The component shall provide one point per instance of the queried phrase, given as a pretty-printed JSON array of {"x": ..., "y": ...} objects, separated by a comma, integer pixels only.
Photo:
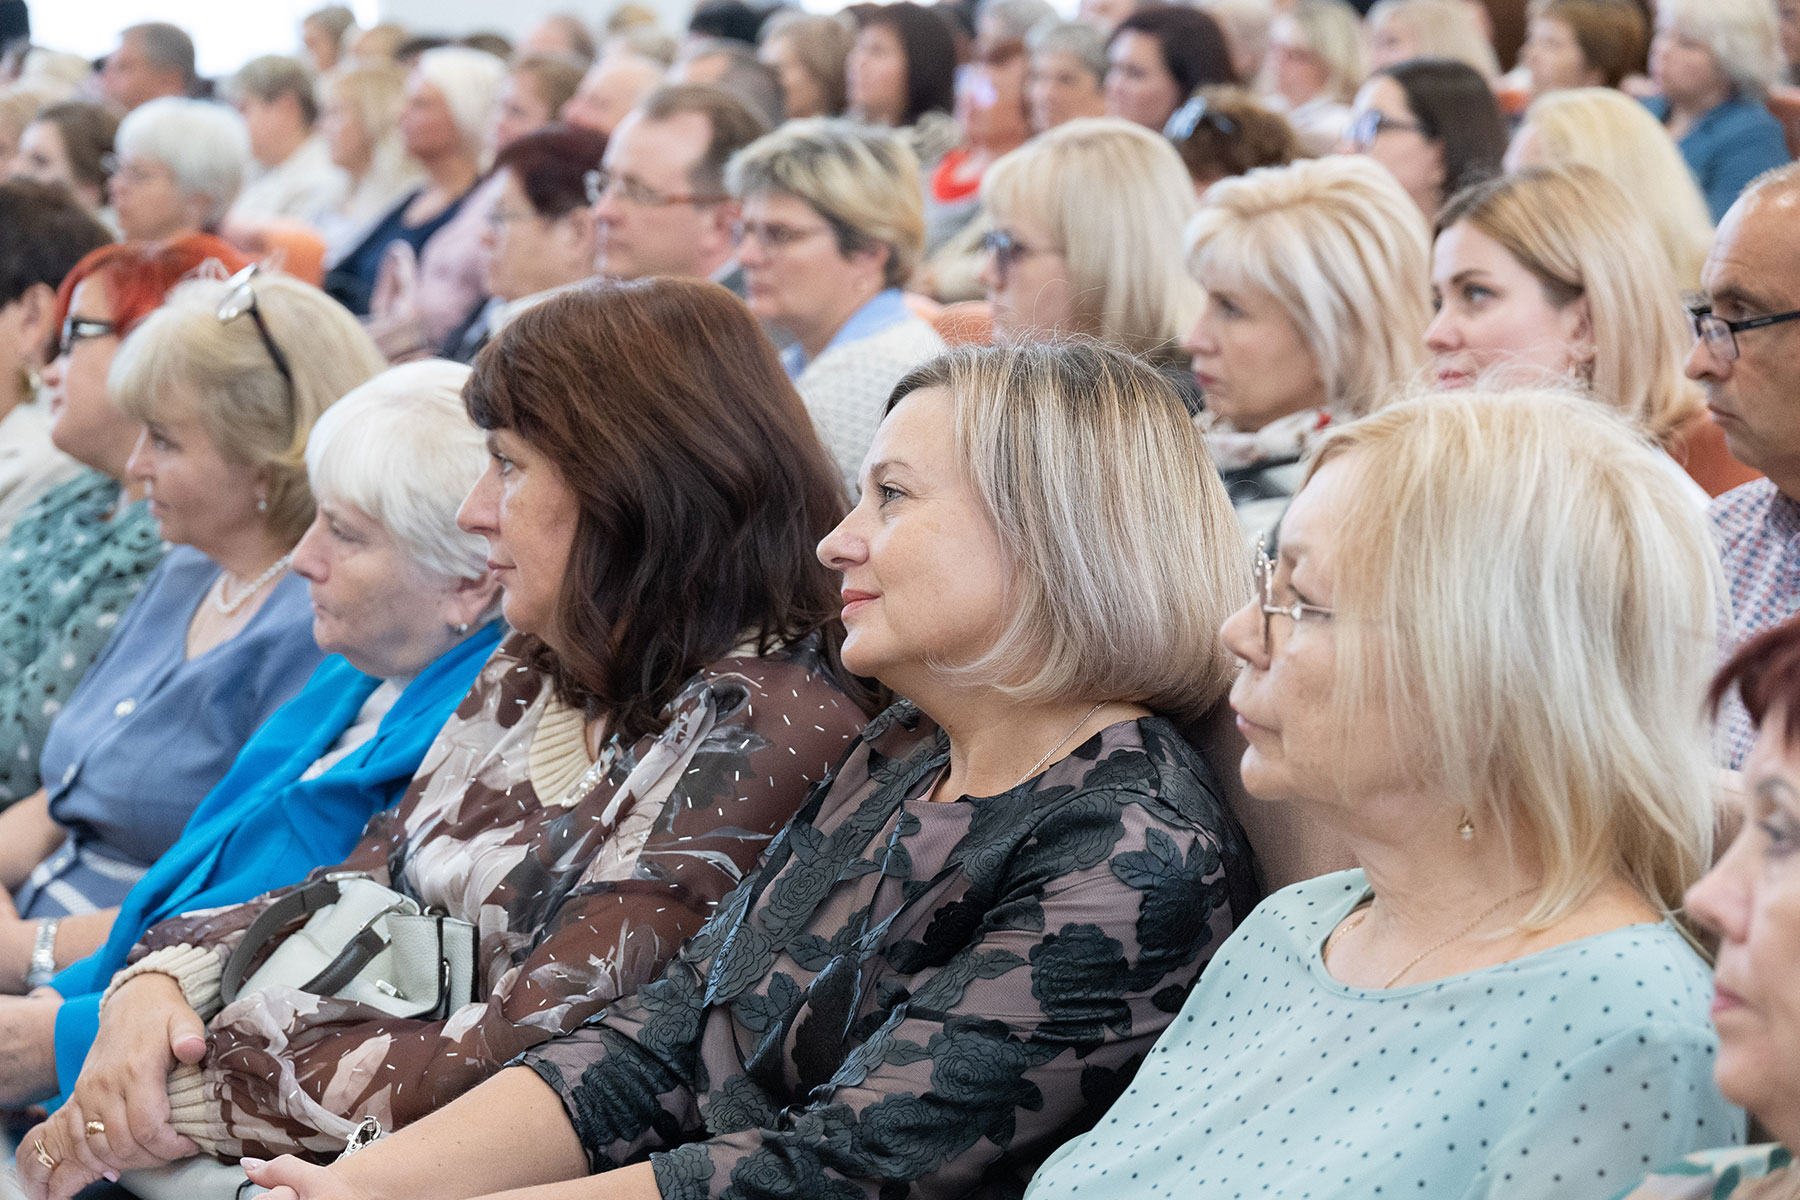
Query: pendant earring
[
  {"x": 262, "y": 504},
  {"x": 461, "y": 627},
  {"x": 1466, "y": 830}
]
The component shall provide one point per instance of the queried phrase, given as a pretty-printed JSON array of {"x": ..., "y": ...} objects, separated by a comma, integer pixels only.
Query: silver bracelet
[{"x": 43, "y": 954}]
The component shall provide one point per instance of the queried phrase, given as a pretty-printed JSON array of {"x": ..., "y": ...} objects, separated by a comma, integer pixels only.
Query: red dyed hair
[
  {"x": 139, "y": 274},
  {"x": 1766, "y": 673}
]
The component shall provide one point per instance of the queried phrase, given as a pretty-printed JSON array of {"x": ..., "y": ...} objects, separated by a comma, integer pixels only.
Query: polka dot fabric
[{"x": 1571, "y": 1072}]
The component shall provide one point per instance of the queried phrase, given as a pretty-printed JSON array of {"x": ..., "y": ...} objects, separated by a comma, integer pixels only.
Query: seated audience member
[
  {"x": 1550, "y": 277},
  {"x": 901, "y": 73},
  {"x": 1082, "y": 220},
  {"x": 1104, "y": 15},
  {"x": 18, "y": 108},
  {"x": 991, "y": 108},
  {"x": 1004, "y": 22},
  {"x": 1159, "y": 56},
  {"x": 660, "y": 204},
  {"x": 293, "y": 177},
  {"x": 1745, "y": 351},
  {"x": 1746, "y": 900},
  {"x": 1399, "y": 30},
  {"x": 1316, "y": 283},
  {"x": 227, "y": 377},
  {"x": 1583, "y": 44},
  {"x": 807, "y": 53},
  {"x": 397, "y": 590},
  {"x": 70, "y": 144},
  {"x": 378, "y": 45},
  {"x": 725, "y": 20},
  {"x": 1024, "y": 855},
  {"x": 1224, "y": 131},
  {"x": 1616, "y": 135},
  {"x": 1714, "y": 61},
  {"x": 1434, "y": 124},
  {"x": 1315, "y": 67},
  {"x": 832, "y": 222},
  {"x": 1496, "y": 712},
  {"x": 75, "y": 559},
  {"x": 1068, "y": 73},
  {"x": 1246, "y": 25},
  {"x": 153, "y": 60},
  {"x": 44, "y": 232},
  {"x": 359, "y": 118},
  {"x": 443, "y": 123},
  {"x": 180, "y": 165},
  {"x": 619, "y": 766},
  {"x": 322, "y": 35},
  {"x": 561, "y": 35},
  {"x": 534, "y": 92},
  {"x": 540, "y": 235},
  {"x": 733, "y": 67},
  {"x": 611, "y": 88}
]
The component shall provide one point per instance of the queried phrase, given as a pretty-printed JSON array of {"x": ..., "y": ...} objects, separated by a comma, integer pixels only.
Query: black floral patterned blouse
[{"x": 910, "y": 998}]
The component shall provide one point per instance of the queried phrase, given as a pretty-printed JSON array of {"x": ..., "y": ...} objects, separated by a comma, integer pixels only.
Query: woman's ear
[
  {"x": 1577, "y": 319},
  {"x": 470, "y": 601}
]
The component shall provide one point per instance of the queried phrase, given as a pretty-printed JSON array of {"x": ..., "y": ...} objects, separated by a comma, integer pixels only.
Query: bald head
[{"x": 610, "y": 89}]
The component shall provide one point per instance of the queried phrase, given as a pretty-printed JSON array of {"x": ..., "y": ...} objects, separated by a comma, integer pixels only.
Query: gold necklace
[{"x": 1422, "y": 955}]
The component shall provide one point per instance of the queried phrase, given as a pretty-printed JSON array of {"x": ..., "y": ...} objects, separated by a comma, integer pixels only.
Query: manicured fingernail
[
  {"x": 252, "y": 1164},
  {"x": 110, "y": 1176}
]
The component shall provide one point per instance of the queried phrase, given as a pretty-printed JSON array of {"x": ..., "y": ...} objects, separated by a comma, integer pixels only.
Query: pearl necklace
[{"x": 228, "y": 607}]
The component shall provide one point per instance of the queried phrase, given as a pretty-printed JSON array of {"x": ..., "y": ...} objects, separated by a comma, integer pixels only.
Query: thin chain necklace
[
  {"x": 228, "y": 607},
  {"x": 1039, "y": 764},
  {"x": 1422, "y": 955}
]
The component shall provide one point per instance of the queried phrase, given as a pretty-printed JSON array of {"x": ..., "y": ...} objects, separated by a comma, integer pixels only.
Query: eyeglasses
[
  {"x": 1371, "y": 123},
  {"x": 1264, "y": 575},
  {"x": 82, "y": 329},
  {"x": 132, "y": 171},
  {"x": 772, "y": 236},
  {"x": 1192, "y": 115},
  {"x": 598, "y": 183},
  {"x": 241, "y": 299},
  {"x": 1007, "y": 250},
  {"x": 1719, "y": 334},
  {"x": 499, "y": 218}
]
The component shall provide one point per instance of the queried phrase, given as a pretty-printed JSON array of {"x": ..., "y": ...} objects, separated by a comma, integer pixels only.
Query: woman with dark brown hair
[{"x": 651, "y": 505}]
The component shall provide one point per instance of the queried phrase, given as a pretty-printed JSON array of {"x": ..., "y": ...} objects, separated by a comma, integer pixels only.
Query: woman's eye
[
  {"x": 888, "y": 493},
  {"x": 1474, "y": 293},
  {"x": 1783, "y": 837}
]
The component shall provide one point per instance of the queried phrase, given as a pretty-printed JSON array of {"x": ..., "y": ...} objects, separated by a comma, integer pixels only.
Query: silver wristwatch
[{"x": 43, "y": 954}]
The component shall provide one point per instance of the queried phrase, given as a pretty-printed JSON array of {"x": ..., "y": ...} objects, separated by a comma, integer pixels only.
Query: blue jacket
[
  {"x": 1728, "y": 147},
  {"x": 264, "y": 827}
]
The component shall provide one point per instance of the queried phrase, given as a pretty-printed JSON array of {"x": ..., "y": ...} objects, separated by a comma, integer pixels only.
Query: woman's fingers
[{"x": 290, "y": 1178}]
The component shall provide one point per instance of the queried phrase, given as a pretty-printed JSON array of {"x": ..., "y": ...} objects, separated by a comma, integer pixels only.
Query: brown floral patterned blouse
[
  {"x": 580, "y": 891},
  {"x": 920, "y": 999}
]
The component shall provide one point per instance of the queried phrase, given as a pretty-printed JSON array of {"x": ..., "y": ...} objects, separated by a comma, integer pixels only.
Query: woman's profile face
[
  {"x": 1253, "y": 364},
  {"x": 1399, "y": 143},
  {"x": 1139, "y": 86},
  {"x": 425, "y": 121},
  {"x": 1494, "y": 315},
  {"x": 199, "y": 497},
  {"x": 875, "y": 75},
  {"x": 1751, "y": 899},
  {"x": 924, "y": 576},
  {"x": 803, "y": 94},
  {"x": 1685, "y": 68},
  {"x": 344, "y": 134},
  {"x": 1062, "y": 88},
  {"x": 1027, "y": 283},
  {"x": 84, "y": 424},
  {"x": 1554, "y": 57},
  {"x": 528, "y": 514}
]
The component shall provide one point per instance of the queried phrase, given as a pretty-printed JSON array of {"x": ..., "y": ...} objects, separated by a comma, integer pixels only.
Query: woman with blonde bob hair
[
  {"x": 1316, "y": 300},
  {"x": 1082, "y": 220},
  {"x": 1496, "y": 707},
  {"x": 1551, "y": 276},
  {"x": 1043, "y": 845},
  {"x": 1607, "y": 130}
]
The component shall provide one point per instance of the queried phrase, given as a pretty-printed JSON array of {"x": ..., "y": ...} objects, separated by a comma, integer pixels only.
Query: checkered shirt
[{"x": 1759, "y": 542}]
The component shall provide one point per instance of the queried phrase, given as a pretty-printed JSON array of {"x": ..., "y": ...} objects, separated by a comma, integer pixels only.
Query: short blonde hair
[
  {"x": 1119, "y": 579},
  {"x": 1580, "y": 236},
  {"x": 1743, "y": 35},
  {"x": 225, "y": 371},
  {"x": 1332, "y": 30},
  {"x": 1440, "y": 29},
  {"x": 1113, "y": 196},
  {"x": 1609, "y": 131},
  {"x": 863, "y": 181},
  {"x": 1527, "y": 591},
  {"x": 1345, "y": 252}
]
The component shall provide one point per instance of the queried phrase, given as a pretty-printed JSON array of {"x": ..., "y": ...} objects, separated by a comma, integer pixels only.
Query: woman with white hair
[
  {"x": 1068, "y": 73},
  {"x": 179, "y": 165},
  {"x": 1714, "y": 61},
  {"x": 1082, "y": 221},
  {"x": 404, "y": 604},
  {"x": 443, "y": 123},
  {"x": 1494, "y": 702},
  {"x": 359, "y": 120},
  {"x": 1315, "y": 65},
  {"x": 1317, "y": 294}
]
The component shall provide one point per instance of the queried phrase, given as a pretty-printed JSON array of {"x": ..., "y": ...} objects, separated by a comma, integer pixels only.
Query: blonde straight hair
[
  {"x": 1118, "y": 578},
  {"x": 1113, "y": 197},
  {"x": 1525, "y": 587},
  {"x": 1581, "y": 236},
  {"x": 1344, "y": 251},
  {"x": 1609, "y": 131}
]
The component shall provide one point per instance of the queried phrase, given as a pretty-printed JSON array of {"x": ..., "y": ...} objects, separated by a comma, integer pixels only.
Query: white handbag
[{"x": 362, "y": 942}]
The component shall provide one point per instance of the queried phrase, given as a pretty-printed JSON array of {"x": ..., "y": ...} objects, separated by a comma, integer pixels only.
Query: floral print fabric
[
  {"x": 578, "y": 898},
  {"x": 922, "y": 999},
  {"x": 1760, "y": 1172}
]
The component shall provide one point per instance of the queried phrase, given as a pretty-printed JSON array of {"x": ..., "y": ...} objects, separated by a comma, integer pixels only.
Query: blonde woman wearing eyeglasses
[
  {"x": 1496, "y": 705},
  {"x": 227, "y": 377}
]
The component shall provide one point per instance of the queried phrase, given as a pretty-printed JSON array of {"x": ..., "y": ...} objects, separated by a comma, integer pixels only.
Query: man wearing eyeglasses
[
  {"x": 659, "y": 197},
  {"x": 1747, "y": 353}
]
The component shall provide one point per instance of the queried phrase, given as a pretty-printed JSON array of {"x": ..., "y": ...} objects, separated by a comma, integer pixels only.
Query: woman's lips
[
  {"x": 1724, "y": 1000},
  {"x": 854, "y": 600}
]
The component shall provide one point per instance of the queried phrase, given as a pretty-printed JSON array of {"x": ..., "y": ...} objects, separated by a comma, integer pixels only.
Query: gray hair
[
  {"x": 273, "y": 76},
  {"x": 745, "y": 76},
  {"x": 1015, "y": 17},
  {"x": 166, "y": 46},
  {"x": 205, "y": 146},
  {"x": 402, "y": 450},
  {"x": 1743, "y": 35},
  {"x": 1077, "y": 39}
]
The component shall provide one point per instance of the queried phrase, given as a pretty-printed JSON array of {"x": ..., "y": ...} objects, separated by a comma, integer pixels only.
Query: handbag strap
[
  {"x": 297, "y": 904},
  {"x": 348, "y": 964}
]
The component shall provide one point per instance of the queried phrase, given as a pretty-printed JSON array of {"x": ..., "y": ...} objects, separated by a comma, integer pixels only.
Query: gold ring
[
  {"x": 42, "y": 1155},
  {"x": 95, "y": 1128}
]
